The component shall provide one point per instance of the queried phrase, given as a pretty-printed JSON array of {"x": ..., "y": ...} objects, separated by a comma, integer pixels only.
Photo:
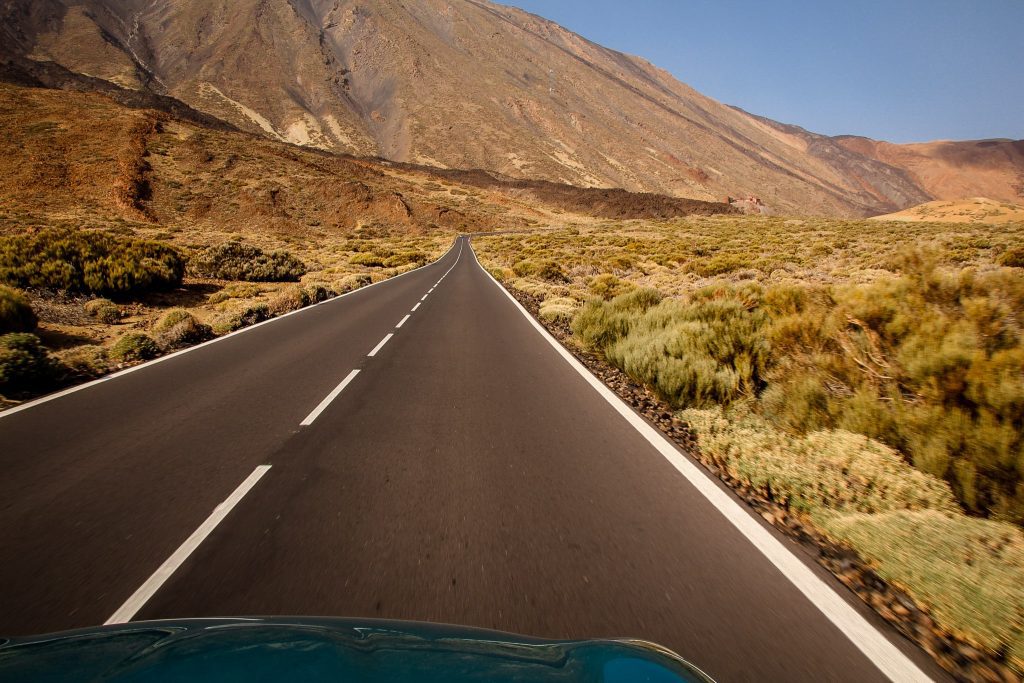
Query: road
[{"x": 466, "y": 474}]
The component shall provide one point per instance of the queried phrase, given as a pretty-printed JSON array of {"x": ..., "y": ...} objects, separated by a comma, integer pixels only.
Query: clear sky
[{"x": 902, "y": 70}]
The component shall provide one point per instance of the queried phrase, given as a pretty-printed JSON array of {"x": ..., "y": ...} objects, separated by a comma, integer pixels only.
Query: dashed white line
[
  {"x": 402, "y": 322},
  {"x": 379, "y": 346},
  {"x": 327, "y": 401},
  {"x": 425, "y": 296},
  {"x": 146, "y": 591},
  {"x": 416, "y": 306}
]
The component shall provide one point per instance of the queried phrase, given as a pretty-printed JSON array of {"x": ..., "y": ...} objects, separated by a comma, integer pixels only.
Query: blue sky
[{"x": 903, "y": 70}]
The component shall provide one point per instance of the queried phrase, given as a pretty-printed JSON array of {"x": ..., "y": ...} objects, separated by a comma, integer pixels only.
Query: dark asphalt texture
[{"x": 467, "y": 475}]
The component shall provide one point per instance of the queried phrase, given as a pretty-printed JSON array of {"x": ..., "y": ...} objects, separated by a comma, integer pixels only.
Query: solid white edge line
[
  {"x": 146, "y": 591},
  {"x": 327, "y": 401},
  {"x": 380, "y": 346},
  {"x": 416, "y": 306},
  {"x": 402, "y": 322},
  {"x": 106, "y": 378},
  {"x": 869, "y": 640}
]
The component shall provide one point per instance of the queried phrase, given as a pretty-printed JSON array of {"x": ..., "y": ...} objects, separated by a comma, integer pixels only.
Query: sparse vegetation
[
  {"x": 16, "y": 314},
  {"x": 238, "y": 261},
  {"x": 867, "y": 375},
  {"x": 89, "y": 262}
]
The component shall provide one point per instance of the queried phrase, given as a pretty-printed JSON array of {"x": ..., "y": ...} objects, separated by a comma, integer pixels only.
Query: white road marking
[
  {"x": 430, "y": 291},
  {"x": 416, "y": 306},
  {"x": 146, "y": 591},
  {"x": 869, "y": 640},
  {"x": 425, "y": 297},
  {"x": 379, "y": 346},
  {"x": 327, "y": 401},
  {"x": 161, "y": 359},
  {"x": 402, "y": 322}
]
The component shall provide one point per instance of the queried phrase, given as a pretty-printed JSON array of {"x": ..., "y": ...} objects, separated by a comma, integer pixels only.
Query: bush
[
  {"x": 85, "y": 362},
  {"x": 405, "y": 258},
  {"x": 318, "y": 293},
  {"x": 290, "y": 299},
  {"x": 710, "y": 348},
  {"x": 133, "y": 347},
  {"x": 251, "y": 315},
  {"x": 969, "y": 571},
  {"x": 89, "y": 262},
  {"x": 546, "y": 269},
  {"x": 25, "y": 366},
  {"x": 238, "y": 261},
  {"x": 352, "y": 282},
  {"x": 819, "y": 472},
  {"x": 1013, "y": 258},
  {"x": 558, "y": 308},
  {"x": 103, "y": 310},
  {"x": 179, "y": 328},
  {"x": 367, "y": 259},
  {"x": 16, "y": 313},
  {"x": 600, "y": 324},
  {"x": 930, "y": 363},
  {"x": 607, "y": 286}
]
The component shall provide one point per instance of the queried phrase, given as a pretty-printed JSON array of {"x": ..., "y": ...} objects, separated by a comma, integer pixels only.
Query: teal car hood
[{"x": 273, "y": 649}]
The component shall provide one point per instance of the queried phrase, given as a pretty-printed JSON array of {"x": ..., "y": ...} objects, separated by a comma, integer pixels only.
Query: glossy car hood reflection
[{"x": 329, "y": 650}]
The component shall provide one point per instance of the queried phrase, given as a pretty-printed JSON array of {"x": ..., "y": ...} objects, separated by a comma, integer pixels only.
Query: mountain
[
  {"x": 462, "y": 84},
  {"x": 953, "y": 169},
  {"x": 973, "y": 210}
]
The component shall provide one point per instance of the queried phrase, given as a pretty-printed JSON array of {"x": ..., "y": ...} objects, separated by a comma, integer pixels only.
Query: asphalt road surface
[{"x": 467, "y": 473}]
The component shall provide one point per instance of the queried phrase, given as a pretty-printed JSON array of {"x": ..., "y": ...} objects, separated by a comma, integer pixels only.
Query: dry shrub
[
  {"x": 179, "y": 328},
  {"x": 104, "y": 310},
  {"x": 969, "y": 571}
]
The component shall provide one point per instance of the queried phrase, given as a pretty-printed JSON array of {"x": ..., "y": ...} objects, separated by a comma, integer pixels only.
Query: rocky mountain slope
[
  {"x": 953, "y": 170},
  {"x": 455, "y": 83}
]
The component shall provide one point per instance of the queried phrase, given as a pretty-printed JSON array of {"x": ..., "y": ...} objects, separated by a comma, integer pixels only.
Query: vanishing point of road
[{"x": 417, "y": 449}]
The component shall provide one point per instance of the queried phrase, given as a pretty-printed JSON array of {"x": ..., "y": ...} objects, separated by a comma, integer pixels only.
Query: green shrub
[
  {"x": 133, "y": 347},
  {"x": 823, "y": 471},
  {"x": 600, "y": 324},
  {"x": 545, "y": 269},
  {"x": 969, "y": 571},
  {"x": 90, "y": 262},
  {"x": 709, "y": 348},
  {"x": 930, "y": 363},
  {"x": 370, "y": 260},
  {"x": 237, "y": 261},
  {"x": 179, "y": 328},
  {"x": 25, "y": 366},
  {"x": 16, "y": 313},
  {"x": 720, "y": 264},
  {"x": 86, "y": 361},
  {"x": 607, "y": 286},
  {"x": 405, "y": 258},
  {"x": 104, "y": 310},
  {"x": 1013, "y": 258}
]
